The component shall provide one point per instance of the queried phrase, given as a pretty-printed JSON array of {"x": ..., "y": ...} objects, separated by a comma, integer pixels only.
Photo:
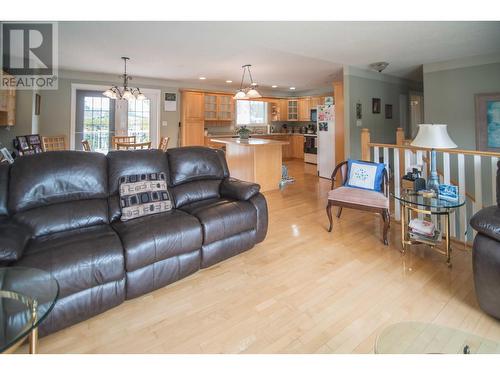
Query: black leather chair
[
  {"x": 59, "y": 212},
  {"x": 486, "y": 255}
]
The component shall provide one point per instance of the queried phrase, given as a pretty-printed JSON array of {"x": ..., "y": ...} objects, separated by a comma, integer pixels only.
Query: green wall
[{"x": 361, "y": 87}]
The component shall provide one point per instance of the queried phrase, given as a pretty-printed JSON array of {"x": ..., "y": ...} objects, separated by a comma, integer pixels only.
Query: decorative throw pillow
[
  {"x": 365, "y": 175},
  {"x": 143, "y": 194}
]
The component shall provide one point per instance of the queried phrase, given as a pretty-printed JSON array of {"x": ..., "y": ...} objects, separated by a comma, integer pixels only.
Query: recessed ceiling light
[
  {"x": 274, "y": 86},
  {"x": 292, "y": 88},
  {"x": 202, "y": 78},
  {"x": 229, "y": 81}
]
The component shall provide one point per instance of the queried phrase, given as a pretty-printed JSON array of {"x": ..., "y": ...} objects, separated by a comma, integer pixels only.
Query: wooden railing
[{"x": 401, "y": 156}]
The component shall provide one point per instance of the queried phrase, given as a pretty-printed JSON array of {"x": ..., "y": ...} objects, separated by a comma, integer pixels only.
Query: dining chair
[
  {"x": 86, "y": 146},
  {"x": 133, "y": 146},
  {"x": 54, "y": 143},
  {"x": 122, "y": 139},
  {"x": 163, "y": 144}
]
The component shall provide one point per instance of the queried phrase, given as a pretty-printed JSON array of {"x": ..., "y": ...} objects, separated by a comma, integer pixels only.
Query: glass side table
[
  {"x": 415, "y": 203},
  {"x": 27, "y": 296},
  {"x": 429, "y": 338}
]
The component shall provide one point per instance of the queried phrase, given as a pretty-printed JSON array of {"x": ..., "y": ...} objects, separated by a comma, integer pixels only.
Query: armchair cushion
[
  {"x": 239, "y": 190},
  {"x": 487, "y": 222},
  {"x": 14, "y": 238},
  {"x": 365, "y": 175},
  {"x": 358, "y": 196}
]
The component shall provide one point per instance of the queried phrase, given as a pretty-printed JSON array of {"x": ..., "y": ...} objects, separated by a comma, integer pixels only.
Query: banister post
[
  {"x": 365, "y": 139},
  {"x": 400, "y": 140}
]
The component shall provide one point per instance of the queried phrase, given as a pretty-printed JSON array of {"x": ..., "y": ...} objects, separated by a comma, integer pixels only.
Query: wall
[
  {"x": 26, "y": 121},
  {"x": 360, "y": 87},
  {"x": 449, "y": 90}
]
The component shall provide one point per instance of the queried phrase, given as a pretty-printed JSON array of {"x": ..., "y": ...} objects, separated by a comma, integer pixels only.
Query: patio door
[{"x": 95, "y": 120}]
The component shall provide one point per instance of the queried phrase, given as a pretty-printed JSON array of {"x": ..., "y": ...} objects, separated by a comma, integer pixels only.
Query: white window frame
[
  {"x": 266, "y": 114},
  {"x": 120, "y": 123}
]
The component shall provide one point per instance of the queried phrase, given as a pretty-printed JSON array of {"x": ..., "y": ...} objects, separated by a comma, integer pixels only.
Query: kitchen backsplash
[{"x": 276, "y": 126}]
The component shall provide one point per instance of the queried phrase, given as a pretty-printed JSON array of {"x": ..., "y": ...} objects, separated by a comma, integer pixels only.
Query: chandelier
[
  {"x": 126, "y": 93},
  {"x": 249, "y": 92}
]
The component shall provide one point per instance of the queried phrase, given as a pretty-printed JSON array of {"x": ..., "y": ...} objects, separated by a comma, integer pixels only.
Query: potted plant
[{"x": 243, "y": 132}]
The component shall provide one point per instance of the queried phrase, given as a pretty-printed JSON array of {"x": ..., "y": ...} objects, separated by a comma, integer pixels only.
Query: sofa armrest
[
  {"x": 487, "y": 222},
  {"x": 14, "y": 239},
  {"x": 240, "y": 190}
]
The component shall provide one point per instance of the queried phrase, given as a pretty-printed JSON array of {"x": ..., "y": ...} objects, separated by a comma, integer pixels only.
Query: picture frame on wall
[
  {"x": 388, "y": 111},
  {"x": 488, "y": 122},
  {"x": 375, "y": 105},
  {"x": 359, "y": 111}
]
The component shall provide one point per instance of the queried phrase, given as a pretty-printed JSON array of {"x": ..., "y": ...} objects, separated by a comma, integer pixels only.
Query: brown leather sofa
[
  {"x": 486, "y": 255},
  {"x": 59, "y": 211}
]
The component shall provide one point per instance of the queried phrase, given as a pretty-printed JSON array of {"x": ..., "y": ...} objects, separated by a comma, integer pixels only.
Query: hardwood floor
[{"x": 303, "y": 290}]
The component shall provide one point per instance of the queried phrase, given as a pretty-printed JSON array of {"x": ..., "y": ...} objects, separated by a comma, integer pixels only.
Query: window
[
  {"x": 251, "y": 112},
  {"x": 94, "y": 120},
  {"x": 139, "y": 119}
]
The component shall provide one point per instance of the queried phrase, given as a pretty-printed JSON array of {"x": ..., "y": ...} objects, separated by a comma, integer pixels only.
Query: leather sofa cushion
[
  {"x": 129, "y": 162},
  {"x": 223, "y": 218},
  {"x": 64, "y": 216},
  {"x": 13, "y": 239},
  {"x": 149, "y": 239},
  {"x": 195, "y": 191},
  {"x": 487, "y": 222},
  {"x": 56, "y": 177},
  {"x": 78, "y": 259},
  {"x": 4, "y": 183},
  {"x": 196, "y": 163}
]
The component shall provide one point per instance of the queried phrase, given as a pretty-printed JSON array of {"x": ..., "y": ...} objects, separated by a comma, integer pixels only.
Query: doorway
[
  {"x": 97, "y": 119},
  {"x": 416, "y": 112}
]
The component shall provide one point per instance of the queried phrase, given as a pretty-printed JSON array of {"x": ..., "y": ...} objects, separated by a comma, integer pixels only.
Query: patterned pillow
[
  {"x": 143, "y": 194},
  {"x": 365, "y": 175}
]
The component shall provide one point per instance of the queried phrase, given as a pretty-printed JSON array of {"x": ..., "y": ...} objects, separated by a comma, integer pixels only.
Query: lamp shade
[
  {"x": 240, "y": 95},
  {"x": 433, "y": 136}
]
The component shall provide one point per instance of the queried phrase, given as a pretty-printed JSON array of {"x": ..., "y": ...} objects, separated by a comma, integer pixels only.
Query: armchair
[{"x": 358, "y": 199}]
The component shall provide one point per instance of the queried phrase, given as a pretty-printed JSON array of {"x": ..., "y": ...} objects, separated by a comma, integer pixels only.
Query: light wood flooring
[{"x": 303, "y": 290}]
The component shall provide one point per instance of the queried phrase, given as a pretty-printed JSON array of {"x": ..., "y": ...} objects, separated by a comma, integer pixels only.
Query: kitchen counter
[
  {"x": 251, "y": 142},
  {"x": 256, "y": 160}
]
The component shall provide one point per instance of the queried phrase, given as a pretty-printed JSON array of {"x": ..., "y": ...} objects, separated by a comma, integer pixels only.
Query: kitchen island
[{"x": 255, "y": 160}]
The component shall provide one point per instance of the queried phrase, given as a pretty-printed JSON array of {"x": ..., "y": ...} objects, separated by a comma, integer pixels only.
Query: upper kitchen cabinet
[
  {"x": 293, "y": 110},
  {"x": 304, "y": 105},
  {"x": 314, "y": 101},
  {"x": 283, "y": 110},
  {"x": 210, "y": 107},
  {"x": 193, "y": 105},
  {"x": 7, "y": 107},
  {"x": 225, "y": 108},
  {"x": 219, "y": 107}
]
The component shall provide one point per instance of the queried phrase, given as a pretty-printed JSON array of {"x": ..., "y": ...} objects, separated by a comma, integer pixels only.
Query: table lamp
[{"x": 433, "y": 136}]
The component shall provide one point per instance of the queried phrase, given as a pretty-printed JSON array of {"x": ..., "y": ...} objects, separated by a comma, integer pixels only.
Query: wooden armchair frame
[{"x": 384, "y": 212}]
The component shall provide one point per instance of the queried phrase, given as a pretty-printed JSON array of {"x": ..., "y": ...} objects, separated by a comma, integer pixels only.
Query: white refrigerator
[{"x": 326, "y": 140}]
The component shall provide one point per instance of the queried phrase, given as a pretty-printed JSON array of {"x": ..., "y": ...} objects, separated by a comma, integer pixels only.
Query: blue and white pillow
[{"x": 365, "y": 175}]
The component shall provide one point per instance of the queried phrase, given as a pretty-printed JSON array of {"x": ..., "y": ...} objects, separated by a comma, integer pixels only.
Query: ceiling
[{"x": 306, "y": 55}]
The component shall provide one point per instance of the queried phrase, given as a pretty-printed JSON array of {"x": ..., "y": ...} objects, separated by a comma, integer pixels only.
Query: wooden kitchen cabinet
[
  {"x": 283, "y": 112},
  {"x": 293, "y": 109},
  {"x": 210, "y": 107},
  {"x": 219, "y": 107},
  {"x": 7, "y": 106},
  {"x": 304, "y": 107},
  {"x": 297, "y": 146},
  {"x": 314, "y": 101},
  {"x": 192, "y": 118}
]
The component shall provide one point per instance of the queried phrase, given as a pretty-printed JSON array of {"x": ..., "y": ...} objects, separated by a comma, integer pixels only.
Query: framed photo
[
  {"x": 388, "y": 111},
  {"x": 170, "y": 103},
  {"x": 375, "y": 105},
  {"x": 488, "y": 122},
  {"x": 38, "y": 99},
  {"x": 5, "y": 155},
  {"x": 22, "y": 141},
  {"x": 448, "y": 192}
]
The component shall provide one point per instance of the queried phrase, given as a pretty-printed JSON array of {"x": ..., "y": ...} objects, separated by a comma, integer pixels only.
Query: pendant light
[
  {"x": 249, "y": 92},
  {"x": 126, "y": 93}
]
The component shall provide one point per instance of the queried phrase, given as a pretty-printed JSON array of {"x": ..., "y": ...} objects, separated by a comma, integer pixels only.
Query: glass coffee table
[
  {"x": 415, "y": 203},
  {"x": 27, "y": 296},
  {"x": 429, "y": 338}
]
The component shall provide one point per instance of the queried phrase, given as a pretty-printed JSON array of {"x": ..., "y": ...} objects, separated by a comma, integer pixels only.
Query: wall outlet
[{"x": 164, "y": 123}]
